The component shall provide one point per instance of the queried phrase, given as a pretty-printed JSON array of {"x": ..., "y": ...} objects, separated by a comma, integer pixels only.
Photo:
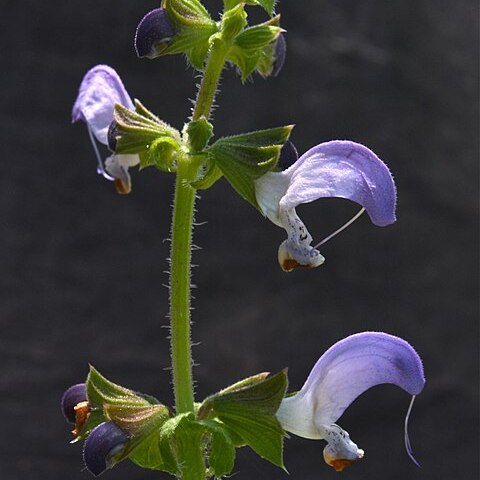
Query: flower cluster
[{"x": 341, "y": 169}]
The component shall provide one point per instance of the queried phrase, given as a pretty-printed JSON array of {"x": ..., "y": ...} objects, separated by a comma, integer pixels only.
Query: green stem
[
  {"x": 180, "y": 257},
  {"x": 211, "y": 77},
  {"x": 181, "y": 247}
]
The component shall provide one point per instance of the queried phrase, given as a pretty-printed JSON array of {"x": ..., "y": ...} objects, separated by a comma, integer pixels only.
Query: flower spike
[
  {"x": 344, "y": 372},
  {"x": 341, "y": 169},
  {"x": 100, "y": 90}
]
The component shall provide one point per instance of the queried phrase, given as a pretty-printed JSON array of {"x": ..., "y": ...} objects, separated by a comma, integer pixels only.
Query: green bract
[
  {"x": 194, "y": 28},
  {"x": 199, "y": 133},
  {"x": 267, "y": 5},
  {"x": 248, "y": 410},
  {"x": 243, "y": 158},
  {"x": 138, "y": 416},
  {"x": 241, "y": 414},
  {"x": 253, "y": 48},
  {"x": 142, "y": 132},
  {"x": 233, "y": 22},
  {"x": 259, "y": 36}
]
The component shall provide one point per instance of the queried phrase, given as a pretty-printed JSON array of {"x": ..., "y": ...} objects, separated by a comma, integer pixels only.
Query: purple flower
[
  {"x": 153, "y": 33},
  {"x": 342, "y": 169},
  {"x": 343, "y": 372},
  {"x": 105, "y": 442},
  {"x": 100, "y": 90},
  {"x": 71, "y": 398}
]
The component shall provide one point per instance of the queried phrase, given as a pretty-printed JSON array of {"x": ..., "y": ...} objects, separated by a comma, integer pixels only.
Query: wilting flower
[
  {"x": 105, "y": 442},
  {"x": 343, "y": 372},
  {"x": 100, "y": 90},
  {"x": 153, "y": 33},
  {"x": 340, "y": 169}
]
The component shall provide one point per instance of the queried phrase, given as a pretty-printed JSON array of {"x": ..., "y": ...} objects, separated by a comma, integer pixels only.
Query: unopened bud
[
  {"x": 288, "y": 156},
  {"x": 71, "y": 398},
  {"x": 153, "y": 33},
  {"x": 103, "y": 445}
]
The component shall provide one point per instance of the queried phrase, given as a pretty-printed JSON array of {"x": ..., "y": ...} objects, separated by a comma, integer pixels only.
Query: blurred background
[{"x": 82, "y": 268}]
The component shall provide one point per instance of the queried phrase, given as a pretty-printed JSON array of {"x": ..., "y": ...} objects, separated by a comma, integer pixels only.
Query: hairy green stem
[
  {"x": 211, "y": 77},
  {"x": 180, "y": 257}
]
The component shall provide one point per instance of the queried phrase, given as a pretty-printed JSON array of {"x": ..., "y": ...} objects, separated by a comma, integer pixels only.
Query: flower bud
[
  {"x": 153, "y": 33},
  {"x": 112, "y": 136},
  {"x": 104, "y": 443},
  {"x": 288, "y": 156},
  {"x": 280, "y": 53},
  {"x": 71, "y": 398}
]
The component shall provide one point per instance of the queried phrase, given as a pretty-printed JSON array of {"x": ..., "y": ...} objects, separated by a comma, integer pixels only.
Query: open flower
[
  {"x": 342, "y": 169},
  {"x": 343, "y": 372},
  {"x": 100, "y": 90}
]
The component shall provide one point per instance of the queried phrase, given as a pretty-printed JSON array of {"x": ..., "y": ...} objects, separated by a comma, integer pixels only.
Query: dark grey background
[{"x": 82, "y": 268}]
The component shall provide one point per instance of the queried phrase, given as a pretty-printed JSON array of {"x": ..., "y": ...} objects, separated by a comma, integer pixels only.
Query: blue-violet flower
[
  {"x": 343, "y": 372},
  {"x": 105, "y": 442},
  {"x": 153, "y": 33},
  {"x": 100, "y": 90},
  {"x": 71, "y": 398},
  {"x": 342, "y": 169}
]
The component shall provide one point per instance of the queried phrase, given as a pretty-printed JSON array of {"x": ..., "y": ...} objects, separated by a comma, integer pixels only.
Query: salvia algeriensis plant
[{"x": 196, "y": 440}]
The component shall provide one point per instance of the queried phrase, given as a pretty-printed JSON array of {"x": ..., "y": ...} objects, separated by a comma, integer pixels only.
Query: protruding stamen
[
  {"x": 100, "y": 168},
  {"x": 343, "y": 227},
  {"x": 408, "y": 447}
]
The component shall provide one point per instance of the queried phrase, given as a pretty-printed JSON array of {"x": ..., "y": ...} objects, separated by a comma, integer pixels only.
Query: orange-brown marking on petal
[
  {"x": 82, "y": 411},
  {"x": 340, "y": 464},
  {"x": 122, "y": 187},
  {"x": 290, "y": 264}
]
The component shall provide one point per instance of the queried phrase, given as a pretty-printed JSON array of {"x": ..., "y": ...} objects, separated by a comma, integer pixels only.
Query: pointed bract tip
[
  {"x": 153, "y": 33},
  {"x": 103, "y": 445}
]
